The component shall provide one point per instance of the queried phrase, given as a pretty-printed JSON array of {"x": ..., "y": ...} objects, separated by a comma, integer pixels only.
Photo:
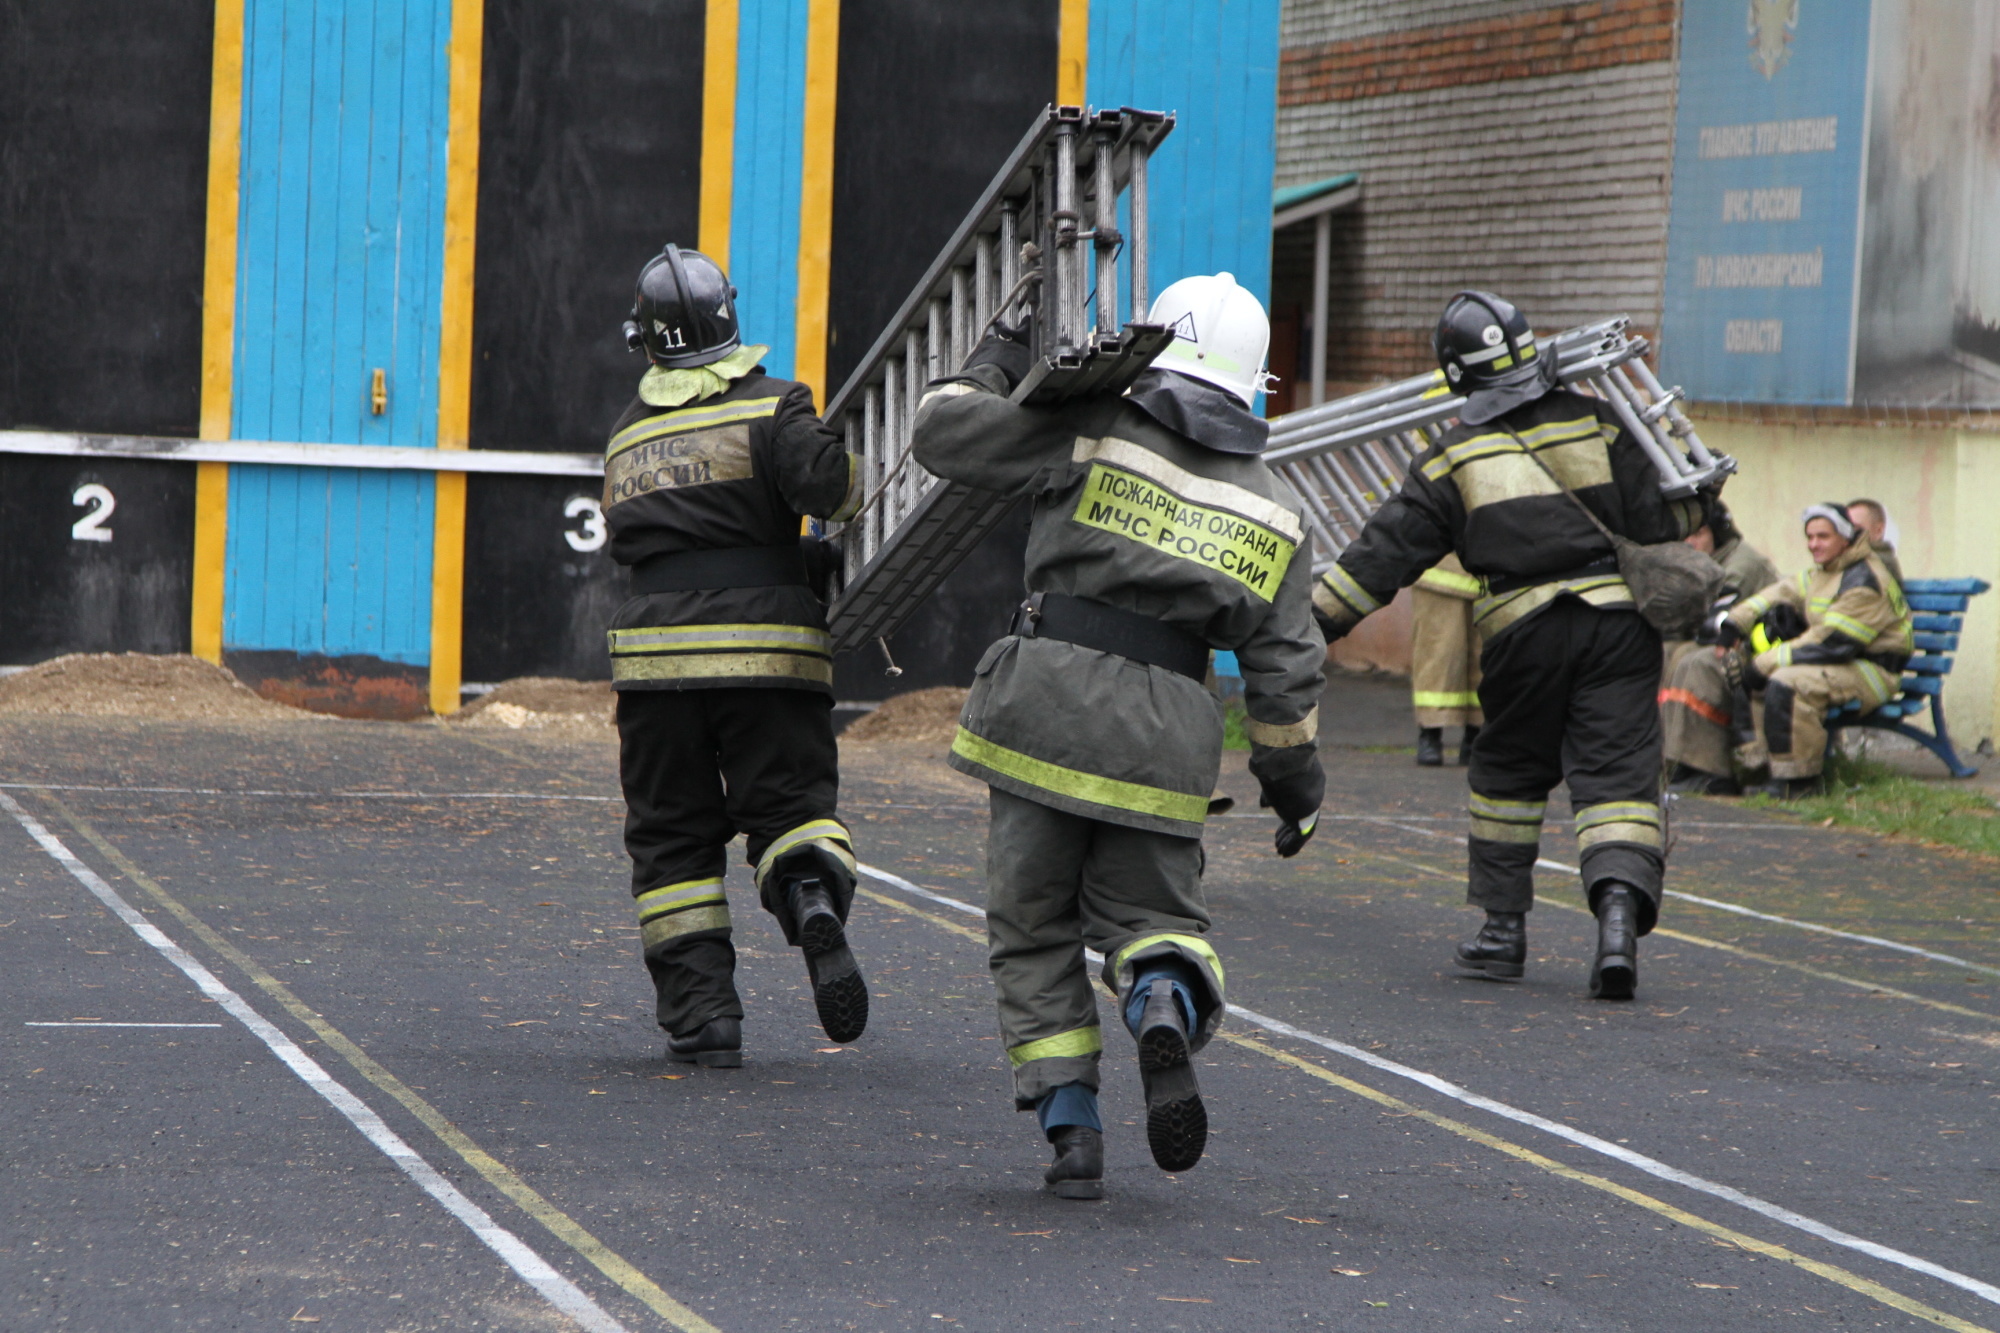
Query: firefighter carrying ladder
[
  {"x": 1346, "y": 457},
  {"x": 1021, "y": 251}
]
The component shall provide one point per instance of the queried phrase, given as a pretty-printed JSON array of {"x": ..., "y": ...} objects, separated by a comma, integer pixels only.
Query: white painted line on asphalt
[
  {"x": 1876, "y": 940},
  {"x": 556, "y": 1289},
  {"x": 93, "y": 1023},
  {"x": 1639, "y": 1161}
]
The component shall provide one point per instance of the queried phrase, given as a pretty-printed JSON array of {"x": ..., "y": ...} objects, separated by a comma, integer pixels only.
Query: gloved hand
[
  {"x": 1295, "y": 798},
  {"x": 1005, "y": 348},
  {"x": 1727, "y": 633},
  {"x": 1292, "y": 838}
]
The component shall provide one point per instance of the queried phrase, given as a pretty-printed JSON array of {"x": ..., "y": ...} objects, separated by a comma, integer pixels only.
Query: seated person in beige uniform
[
  {"x": 1873, "y": 519},
  {"x": 1837, "y": 632},
  {"x": 1745, "y": 569}
]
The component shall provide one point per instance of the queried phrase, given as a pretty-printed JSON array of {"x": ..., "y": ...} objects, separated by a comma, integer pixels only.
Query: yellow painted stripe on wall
[
  {"x": 718, "y": 130},
  {"x": 816, "y": 192},
  {"x": 218, "y": 325},
  {"x": 1072, "y": 52},
  {"x": 461, "y": 217}
]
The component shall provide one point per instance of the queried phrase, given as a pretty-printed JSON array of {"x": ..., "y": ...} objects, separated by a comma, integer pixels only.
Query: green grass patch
[
  {"x": 1234, "y": 737},
  {"x": 1868, "y": 795}
]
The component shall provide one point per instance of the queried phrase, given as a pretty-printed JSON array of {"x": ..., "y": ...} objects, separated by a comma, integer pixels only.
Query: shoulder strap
[{"x": 1574, "y": 499}]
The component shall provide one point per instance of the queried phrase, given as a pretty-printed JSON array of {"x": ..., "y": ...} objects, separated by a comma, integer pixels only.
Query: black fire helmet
[
  {"x": 1487, "y": 352},
  {"x": 684, "y": 313}
]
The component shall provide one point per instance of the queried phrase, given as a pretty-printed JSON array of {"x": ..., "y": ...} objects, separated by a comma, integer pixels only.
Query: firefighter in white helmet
[{"x": 1157, "y": 534}]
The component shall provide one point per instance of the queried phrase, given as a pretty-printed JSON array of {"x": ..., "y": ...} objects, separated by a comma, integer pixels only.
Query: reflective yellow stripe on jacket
[
  {"x": 1493, "y": 614},
  {"x": 1080, "y": 786},
  {"x": 722, "y": 652}
]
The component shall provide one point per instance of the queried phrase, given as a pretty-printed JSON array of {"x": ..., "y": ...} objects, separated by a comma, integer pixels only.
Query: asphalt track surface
[{"x": 417, "y": 1085}]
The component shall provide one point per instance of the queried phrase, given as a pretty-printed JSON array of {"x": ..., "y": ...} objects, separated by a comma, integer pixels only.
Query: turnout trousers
[
  {"x": 1791, "y": 724},
  {"x": 699, "y": 767},
  {"x": 1056, "y": 882},
  {"x": 1570, "y": 697},
  {"x": 1444, "y": 660}
]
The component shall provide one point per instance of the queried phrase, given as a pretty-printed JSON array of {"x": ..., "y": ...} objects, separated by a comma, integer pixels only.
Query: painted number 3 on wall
[
  {"x": 90, "y": 528},
  {"x": 590, "y": 539}
]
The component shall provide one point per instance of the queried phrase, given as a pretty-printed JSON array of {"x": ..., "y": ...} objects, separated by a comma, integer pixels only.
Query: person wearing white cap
[{"x": 1838, "y": 632}]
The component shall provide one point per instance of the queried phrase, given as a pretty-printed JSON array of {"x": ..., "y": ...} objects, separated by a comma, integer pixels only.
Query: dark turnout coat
[
  {"x": 1139, "y": 517},
  {"x": 734, "y": 470}
]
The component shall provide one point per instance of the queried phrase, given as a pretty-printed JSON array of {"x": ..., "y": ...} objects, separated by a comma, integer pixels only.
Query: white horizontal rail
[{"x": 401, "y": 458}]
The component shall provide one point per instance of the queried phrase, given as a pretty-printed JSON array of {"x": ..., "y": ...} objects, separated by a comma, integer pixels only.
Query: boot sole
[
  {"x": 1076, "y": 1189},
  {"x": 1176, "y": 1120},
  {"x": 1499, "y": 971},
  {"x": 839, "y": 994},
  {"x": 1614, "y": 978},
  {"x": 708, "y": 1059},
  {"x": 822, "y": 933}
]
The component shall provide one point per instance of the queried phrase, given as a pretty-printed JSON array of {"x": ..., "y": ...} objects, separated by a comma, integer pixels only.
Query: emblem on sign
[{"x": 1772, "y": 23}]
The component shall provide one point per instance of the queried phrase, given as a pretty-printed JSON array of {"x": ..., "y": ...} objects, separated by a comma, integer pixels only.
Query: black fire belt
[
  {"x": 730, "y": 567},
  {"x": 1078, "y": 620}
]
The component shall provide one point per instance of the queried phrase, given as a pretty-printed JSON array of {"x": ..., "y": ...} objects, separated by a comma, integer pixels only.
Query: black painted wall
[
  {"x": 590, "y": 160},
  {"x": 103, "y": 178},
  {"x": 541, "y": 605},
  {"x": 65, "y": 595},
  {"x": 932, "y": 97}
]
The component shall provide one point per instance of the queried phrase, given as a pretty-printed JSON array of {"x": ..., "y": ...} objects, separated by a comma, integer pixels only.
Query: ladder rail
[
  {"x": 1020, "y": 252},
  {"x": 1345, "y": 458}
]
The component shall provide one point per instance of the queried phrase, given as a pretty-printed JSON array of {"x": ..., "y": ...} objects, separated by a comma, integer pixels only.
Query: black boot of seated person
[
  {"x": 1078, "y": 1169},
  {"x": 1686, "y": 781},
  {"x": 1614, "y": 974},
  {"x": 1500, "y": 949},
  {"x": 1430, "y": 747},
  {"x": 1176, "y": 1121},
  {"x": 839, "y": 993},
  {"x": 716, "y": 1044},
  {"x": 1465, "y": 741}
]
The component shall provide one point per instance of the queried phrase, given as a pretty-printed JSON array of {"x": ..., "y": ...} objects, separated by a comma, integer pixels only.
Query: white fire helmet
[{"x": 1220, "y": 334}]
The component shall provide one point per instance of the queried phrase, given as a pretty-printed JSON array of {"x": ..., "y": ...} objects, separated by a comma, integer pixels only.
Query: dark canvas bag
[{"x": 1672, "y": 584}]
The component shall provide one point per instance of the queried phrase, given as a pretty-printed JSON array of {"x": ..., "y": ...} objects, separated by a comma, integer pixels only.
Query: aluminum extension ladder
[
  {"x": 1020, "y": 250},
  {"x": 1346, "y": 457}
]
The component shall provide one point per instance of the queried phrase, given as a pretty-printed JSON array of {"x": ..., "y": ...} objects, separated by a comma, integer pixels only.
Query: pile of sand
[
  {"x": 547, "y": 704},
  {"x": 922, "y": 715},
  {"x": 176, "y": 688}
]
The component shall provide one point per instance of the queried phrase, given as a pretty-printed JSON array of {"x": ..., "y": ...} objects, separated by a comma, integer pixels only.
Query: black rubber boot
[
  {"x": 1791, "y": 789},
  {"x": 1614, "y": 974},
  {"x": 717, "y": 1044},
  {"x": 1176, "y": 1121},
  {"x": 1078, "y": 1170},
  {"x": 1465, "y": 743},
  {"x": 1500, "y": 949},
  {"x": 1685, "y": 781},
  {"x": 1430, "y": 747},
  {"x": 839, "y": 993}
]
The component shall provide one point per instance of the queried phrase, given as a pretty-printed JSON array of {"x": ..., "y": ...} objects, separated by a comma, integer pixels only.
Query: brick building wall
[{"x": 1525, "y": 150}]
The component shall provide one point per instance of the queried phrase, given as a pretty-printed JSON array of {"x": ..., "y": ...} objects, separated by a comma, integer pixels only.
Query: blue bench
[{"x": 1940, "y": 607}]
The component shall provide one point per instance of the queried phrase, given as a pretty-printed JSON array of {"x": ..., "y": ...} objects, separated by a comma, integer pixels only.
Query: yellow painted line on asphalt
[
  {"x": 1831, "y": 1272},
  {"x": 558, "y": 1223}
]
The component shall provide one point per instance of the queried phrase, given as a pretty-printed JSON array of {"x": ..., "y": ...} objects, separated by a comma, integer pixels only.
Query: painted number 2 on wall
[{"x": 90, "y": 528}]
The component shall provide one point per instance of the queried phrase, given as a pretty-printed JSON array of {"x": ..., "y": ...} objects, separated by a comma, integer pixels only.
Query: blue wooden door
[{"x": 340, "y": 257}]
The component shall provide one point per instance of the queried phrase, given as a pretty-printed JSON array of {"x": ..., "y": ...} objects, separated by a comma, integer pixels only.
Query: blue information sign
[{"x": 1761, "y": 242}]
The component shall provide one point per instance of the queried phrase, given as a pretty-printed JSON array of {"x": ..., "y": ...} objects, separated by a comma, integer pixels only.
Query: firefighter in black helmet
[
  {"x": 1570, "y": 669},
  {"x": 721, "y": 660}
]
